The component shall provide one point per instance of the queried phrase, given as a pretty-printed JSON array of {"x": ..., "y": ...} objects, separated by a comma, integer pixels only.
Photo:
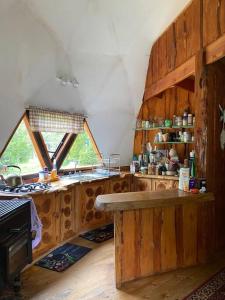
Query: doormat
[
  {"x": 100, "y": 234},
  {"x": 212, "y": 289},
  {"x": 63, "y": 257}
]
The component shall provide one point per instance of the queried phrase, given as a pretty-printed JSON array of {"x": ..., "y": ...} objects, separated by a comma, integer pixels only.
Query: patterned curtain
[{"x": 55, "y": 121}]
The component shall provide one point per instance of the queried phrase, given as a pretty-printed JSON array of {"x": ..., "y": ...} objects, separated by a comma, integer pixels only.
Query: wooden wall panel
[
  {"x": 213, "y": 20},
  {"x": 181, "y": 39},
  {"x": 192, "y": 24},
  {"x": 215, "y": 171},
  {"x": 156, "y": 240},
  {"x": 155, "y": 68},
  {"x": 171, "y": 48},
  {"x": 162, "y": 56},
  {"x": 176, "y": 45}
]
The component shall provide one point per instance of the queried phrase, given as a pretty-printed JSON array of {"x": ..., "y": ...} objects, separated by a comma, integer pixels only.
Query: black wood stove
[{"x": 15, "y": 241}]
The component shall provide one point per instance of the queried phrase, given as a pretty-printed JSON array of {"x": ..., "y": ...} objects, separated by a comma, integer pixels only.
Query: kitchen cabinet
[
  {"x": 143, "y": 184},
  {"x": 120, "y": 185},
  {"x": 48, "y": 212},
  {"x": 67, "y": 218},
  {"x": 160, "y": 185},
  {"x": 86, "y": 195},
  {"x": 154, "y": 184}
]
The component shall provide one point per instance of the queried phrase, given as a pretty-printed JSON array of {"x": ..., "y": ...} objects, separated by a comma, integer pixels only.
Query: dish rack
[{"x": 109, "y": 165}]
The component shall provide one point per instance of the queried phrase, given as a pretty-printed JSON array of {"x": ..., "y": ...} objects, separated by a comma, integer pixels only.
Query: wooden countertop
[
  {"x": 166, "y": 177},
  {"x": 137, "y": 200},
  {"x": 60, "y": 185}
]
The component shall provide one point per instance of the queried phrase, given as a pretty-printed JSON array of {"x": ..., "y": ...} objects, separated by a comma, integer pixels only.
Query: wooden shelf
[
  {"x": 171, "y": 143},
  {"x": 158, "y": 128}
]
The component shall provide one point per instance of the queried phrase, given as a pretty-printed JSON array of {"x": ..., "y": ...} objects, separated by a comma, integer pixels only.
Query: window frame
[{"x": 42, "y": 152}]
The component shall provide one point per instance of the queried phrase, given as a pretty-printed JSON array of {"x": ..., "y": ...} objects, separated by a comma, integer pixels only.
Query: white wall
[{"x": 104, "y": 44}]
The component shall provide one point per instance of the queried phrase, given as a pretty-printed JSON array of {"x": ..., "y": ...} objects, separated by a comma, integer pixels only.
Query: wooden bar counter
[{"x": 159, "y": 231}]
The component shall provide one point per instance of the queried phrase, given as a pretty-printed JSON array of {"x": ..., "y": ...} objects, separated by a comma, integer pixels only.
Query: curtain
[{"x": 55, "y": 121}]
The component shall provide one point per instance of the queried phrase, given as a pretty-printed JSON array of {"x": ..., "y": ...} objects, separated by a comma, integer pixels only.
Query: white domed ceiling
[{"x": 104, "y": 44}]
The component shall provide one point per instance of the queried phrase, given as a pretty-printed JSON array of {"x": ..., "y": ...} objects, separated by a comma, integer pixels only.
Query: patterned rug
[
  {"x": 63, "y": 257},
  {"x": 99, "y": 235},
  {"x": 213, "y": 289}
]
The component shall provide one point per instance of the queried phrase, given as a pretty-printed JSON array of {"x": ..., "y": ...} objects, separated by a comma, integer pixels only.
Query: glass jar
[
  {"x": 190, "y": 120},
  {"x": 179, "y": 121}
]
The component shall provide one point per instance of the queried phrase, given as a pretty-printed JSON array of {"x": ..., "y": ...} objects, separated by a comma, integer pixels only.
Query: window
[
  {"x": 32, "y": 150},
  {"x": 52, "y": 141},
  {"x": 82, "y": 152},
  {"x": 20, "y": 152}
]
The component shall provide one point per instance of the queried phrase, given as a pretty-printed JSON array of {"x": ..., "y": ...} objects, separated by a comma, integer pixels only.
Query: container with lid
[
  {"x": 190, "y": 120},
  {"x": 179, "y": 121}
]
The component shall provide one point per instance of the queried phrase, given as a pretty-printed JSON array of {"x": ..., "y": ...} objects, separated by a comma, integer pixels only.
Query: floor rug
[
  {"x": 99, "y": 235},
  {"x": 213, "y": 289},
  {"x": 63, "y": 257}
]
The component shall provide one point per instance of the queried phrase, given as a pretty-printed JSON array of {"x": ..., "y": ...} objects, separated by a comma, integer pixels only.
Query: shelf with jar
[
  {"x": 172, "y": 143},
  {"x": 187, "y": 121},
  {"x": 163, "y": 127},
  {"x": 177, "y": 137}
]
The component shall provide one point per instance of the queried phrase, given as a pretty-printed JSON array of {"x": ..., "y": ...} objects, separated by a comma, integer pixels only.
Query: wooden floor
[{"x": 93, "y": 278}]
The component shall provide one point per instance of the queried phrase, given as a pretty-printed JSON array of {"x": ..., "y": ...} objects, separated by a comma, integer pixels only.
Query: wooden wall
[
  {"x": 213, "y": 20},
  {"x": 176, "y": 45},
  {"x": 199, "y": 25},
  {"x": 172, "y": 102},
  {"x": 190, "y": 46},
  {"x": 215, "y": 155}
]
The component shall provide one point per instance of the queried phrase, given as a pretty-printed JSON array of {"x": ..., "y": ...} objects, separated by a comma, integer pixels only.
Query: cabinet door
[
  {"x": 143, "y": 184},
  {"x": 120, "y": 185},
  {"x": 90, "y": 217},
  {"x": 67, "y": 217},
  {"x": 160, "y": 185},
  {"x": 48, "y": 213}
]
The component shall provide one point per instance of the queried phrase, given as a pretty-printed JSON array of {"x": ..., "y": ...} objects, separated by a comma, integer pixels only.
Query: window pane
[
  {"x": 20, "y": 152},
  {"x": 82, "y": 151},
  {"x": 52, "y": 141}
]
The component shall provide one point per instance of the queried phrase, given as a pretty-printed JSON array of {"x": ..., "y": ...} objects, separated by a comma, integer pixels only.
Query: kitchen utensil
[{"x": 13, "y": 179}]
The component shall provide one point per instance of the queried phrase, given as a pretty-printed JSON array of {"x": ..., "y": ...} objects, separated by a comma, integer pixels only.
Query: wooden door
[
  {"x": 48, "y": 212},
  {"x": 89, "y": 217},
  {"x": 120, "y": 185},
  {"x": 160, "y": 185},
  {"x": 67, "y": 215},
  {"x": 142, "y": 184}
]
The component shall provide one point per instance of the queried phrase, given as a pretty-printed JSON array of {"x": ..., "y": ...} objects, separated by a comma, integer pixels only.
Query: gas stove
[{"x": 25, "y": 188}]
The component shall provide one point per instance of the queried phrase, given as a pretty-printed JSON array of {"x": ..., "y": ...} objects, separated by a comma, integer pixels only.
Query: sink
[{"x": 84, "y": 176}]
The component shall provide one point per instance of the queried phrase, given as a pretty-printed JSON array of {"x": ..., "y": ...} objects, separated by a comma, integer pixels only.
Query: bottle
[
  {"x": 54, "y": 171},
  {"x": 185, "y": 119},
  {"x": 192, "y": 164},
  {"x": 174, "y": 120},
  {"x": 190, "y": 120}
]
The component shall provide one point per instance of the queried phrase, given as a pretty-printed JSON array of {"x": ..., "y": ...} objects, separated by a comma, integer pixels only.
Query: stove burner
[{"x": 26, "y": 188}]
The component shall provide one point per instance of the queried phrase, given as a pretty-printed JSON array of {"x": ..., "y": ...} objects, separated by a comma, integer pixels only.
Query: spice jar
[
  {"x": 179, "y": 121},
  {"x": 185, "y": 119},
  {"x": 190, "y": 120}
]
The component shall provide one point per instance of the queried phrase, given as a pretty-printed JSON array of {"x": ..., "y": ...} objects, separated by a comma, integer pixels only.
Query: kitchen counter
[
  {"x": 137, "y": 200},
  {"x": 166, "y": 177},
  {"x": 63, "y": 184},
  {"x": 159, "y": 231}
]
